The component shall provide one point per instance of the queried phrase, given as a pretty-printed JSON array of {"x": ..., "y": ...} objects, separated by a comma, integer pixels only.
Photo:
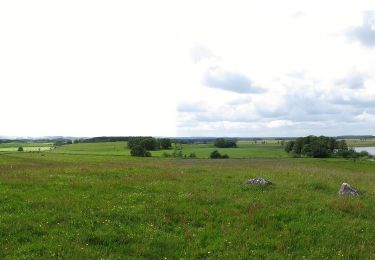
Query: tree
[
  {"x": 318, "y": 147},
  {"x": 225, "y": 143},
  {"x": 20, "y": 149},
  {"x": 149, "y": 144},
  {"x": 165, "y": 143},
  {"x": 289, "y": 146},
  {"x": 139, "y": 151}
]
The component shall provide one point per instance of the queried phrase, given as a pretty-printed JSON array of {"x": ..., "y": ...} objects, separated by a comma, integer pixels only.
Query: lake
[{"x": 369, "y": 149}]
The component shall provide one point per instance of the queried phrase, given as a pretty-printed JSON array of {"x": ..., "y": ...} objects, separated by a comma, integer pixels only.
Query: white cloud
[
  {"x": 305, "y": 66},
  {"x": 279, "y": 123}
]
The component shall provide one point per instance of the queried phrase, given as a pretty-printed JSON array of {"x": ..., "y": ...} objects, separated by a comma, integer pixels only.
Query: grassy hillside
[{"x": 89, "y": 201}]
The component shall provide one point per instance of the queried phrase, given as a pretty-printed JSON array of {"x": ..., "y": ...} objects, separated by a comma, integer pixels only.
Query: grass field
[
  {"x": 94, "y": 201},
  {"x": 246, "y": 149}
]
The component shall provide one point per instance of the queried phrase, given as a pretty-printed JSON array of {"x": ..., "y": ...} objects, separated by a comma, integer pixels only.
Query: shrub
[
  {"x": 216, "y": 155},
  {"x": 177, "y": 154},
  {"x": 192, "y": 155},
  {"x": 20, "y": 149},
  {"x": 166, "y": 155},
  {"x": 363, "y": 154}
]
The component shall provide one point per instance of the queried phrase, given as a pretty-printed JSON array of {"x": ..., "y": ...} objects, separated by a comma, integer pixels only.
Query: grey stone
[
  {"x": 259, "y": 181},
  {"x": 347, "y": 190}
]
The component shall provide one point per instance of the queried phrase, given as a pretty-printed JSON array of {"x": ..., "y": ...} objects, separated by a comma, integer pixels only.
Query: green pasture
[
  {"x": 94, "y": 201},
  {"x": 246, "y": 149}
]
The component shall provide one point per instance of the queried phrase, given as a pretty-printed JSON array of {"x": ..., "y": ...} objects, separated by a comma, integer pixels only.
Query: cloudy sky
[{"x": 187, "y": 68}]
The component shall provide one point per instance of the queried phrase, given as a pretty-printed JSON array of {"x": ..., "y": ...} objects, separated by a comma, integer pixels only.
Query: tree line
[
  {"x": 141, "y": 146},
  {"x": 320, "y": 147}
]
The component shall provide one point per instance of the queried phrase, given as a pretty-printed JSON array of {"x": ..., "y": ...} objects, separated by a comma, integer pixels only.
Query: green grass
[
  {"x": 244, "y": 150},
  {"x": 92, "y": 201}
]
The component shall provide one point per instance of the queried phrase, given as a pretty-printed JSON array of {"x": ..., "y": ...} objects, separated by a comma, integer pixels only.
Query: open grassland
[
  {"x": 246, "y": 149},
  {"x": 91, "y": 203}
]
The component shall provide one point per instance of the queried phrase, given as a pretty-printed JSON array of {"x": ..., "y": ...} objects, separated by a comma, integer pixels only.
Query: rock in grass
[
  {"x": 259, "y": 181},
  {"x": 347, "y": 190}
]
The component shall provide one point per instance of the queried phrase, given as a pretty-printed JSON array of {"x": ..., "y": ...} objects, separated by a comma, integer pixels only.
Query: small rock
[
  {"x": 347, "y": 190},
  {"x": 259, "y": 181}
]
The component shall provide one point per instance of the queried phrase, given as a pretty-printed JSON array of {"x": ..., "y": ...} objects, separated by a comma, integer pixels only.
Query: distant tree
[
  {"x": 318, "y": 147},
  {"x": 225, "y": 143},
  {"x": 20, "y": 149},
  {"x": 149, "y": 143},
  {"x": 289, "y": 146},
  {"x": 69, "y": 142},
  {"x": 165, "y": 143},
  {"x": 58, "y": 143},
  {"x": 139, "y": 151},
  {"x": 341, "y": 145}
]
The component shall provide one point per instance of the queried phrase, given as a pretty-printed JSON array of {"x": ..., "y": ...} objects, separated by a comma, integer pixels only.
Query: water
[{"x": 369, "y": 149}]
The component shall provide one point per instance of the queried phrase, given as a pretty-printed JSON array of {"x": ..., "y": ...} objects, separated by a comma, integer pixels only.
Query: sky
[{"x": 187, "y": 68}]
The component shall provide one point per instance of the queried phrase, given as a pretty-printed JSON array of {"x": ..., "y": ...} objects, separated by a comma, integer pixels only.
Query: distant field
[
  {"x": 94, "y": 201},
  {"x": 246, "y": 149},
  {"x": 27, "y": 147},
  {"x": 361, "y": 143}
]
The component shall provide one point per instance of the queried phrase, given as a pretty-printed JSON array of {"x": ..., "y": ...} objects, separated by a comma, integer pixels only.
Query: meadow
[{"x": 95, "y": 201}]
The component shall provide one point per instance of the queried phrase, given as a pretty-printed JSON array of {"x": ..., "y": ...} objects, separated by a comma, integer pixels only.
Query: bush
[
  {"x": 363, "y": 154},
  {"x": 20, "y": 149},
  {"x": 177, "y": 154},
  {"x": 167, "y": 155},
  {"x": 350, "y": 153},
  {"x": 216, "y": 155},
  {"x": 192, "y": 155}
]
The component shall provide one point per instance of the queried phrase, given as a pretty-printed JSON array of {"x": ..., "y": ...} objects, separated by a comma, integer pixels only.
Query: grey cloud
[
  {"x": 309, "y": 109},
  {"x": 365, "y": 33},
  {"x": 361, "y": 102},
  {"x": 230, "y": 81},
  {"x": 355, "y": 81}
]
